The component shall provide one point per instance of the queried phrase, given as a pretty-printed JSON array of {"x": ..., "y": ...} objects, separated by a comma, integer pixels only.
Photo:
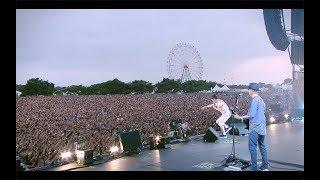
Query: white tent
[
  {"x": 18, "y": 93},
  {"x": 224, "y": 88},
  {"x": 216, "y": 88}
]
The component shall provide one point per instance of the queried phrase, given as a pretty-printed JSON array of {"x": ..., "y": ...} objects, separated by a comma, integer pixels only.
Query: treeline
[{"x": 36, "y": 86}]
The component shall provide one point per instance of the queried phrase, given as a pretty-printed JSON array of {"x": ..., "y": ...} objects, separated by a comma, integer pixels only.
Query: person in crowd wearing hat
[
  {"x": 257, "y": 128},
  {"x": 223, "y": 108}
]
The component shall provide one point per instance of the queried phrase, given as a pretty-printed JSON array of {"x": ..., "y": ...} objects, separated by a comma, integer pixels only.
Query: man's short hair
[{"x": 214, "y": 96}]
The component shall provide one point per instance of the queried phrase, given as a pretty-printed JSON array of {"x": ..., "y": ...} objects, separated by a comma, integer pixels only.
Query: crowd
[{"x": 49, "y": 125}]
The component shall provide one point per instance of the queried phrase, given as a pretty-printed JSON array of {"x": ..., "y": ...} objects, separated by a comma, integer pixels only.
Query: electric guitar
[{"x": 236, "y": 116}]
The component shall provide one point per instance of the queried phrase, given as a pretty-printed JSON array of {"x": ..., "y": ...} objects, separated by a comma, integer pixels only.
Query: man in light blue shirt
[{"x": 257, "y": 128}]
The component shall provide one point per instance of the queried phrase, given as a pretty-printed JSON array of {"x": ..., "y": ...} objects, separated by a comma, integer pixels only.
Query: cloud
[
  {"x": 66, "y": 77},
  {"x": 271, "y": 69},
  {"x": 89, "y": 46}
]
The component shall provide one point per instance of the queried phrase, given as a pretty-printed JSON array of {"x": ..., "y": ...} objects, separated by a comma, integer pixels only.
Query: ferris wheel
[{"x": 184, "y": 63}]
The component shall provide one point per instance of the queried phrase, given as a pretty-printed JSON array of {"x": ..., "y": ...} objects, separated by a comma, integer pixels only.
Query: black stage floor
[{"x": 285, "y": 151}]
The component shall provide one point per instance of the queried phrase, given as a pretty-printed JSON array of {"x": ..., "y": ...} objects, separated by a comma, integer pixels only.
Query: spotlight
[
  {"x": 66, "y": 155},
  {"x": 157, "y": 138},
  {"x": 114, "y": 149},
  {"x": 269, "y": 109},
  {"x": 80, "y": 154},
  {"x": 286, "y": 116},
  {"x": 272, "y": 119},
  {"x": 84, "y": 157},
  {"x": 160, "y": 142},
  {"x": 80, "y": 157}
]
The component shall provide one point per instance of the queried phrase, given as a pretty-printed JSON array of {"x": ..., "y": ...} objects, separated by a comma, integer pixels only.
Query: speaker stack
[
  {"x": 161, "y": 144},
  {"x": 275, "y": 29},
  {"x": 130, "y": 142},
  {"x": 18, "y": 164},
  {"x": 158, "y": 144},
  {"x": 84, "y": 157},
  {"x": 211, "y": 135}
]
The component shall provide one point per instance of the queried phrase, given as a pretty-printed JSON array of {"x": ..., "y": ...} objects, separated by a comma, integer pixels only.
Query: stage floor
[{"x": 285, "y": 144}]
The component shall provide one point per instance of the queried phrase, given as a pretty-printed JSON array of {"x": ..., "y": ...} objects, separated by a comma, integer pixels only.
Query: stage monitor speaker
[
  {"x": 152, "y": 143},
  {"x": 275, "y": 30},
  {"x": 211, "y": 135},
  {"x": 88, "y": 156},
  {"x": 85, "y": 157},
  {"x": 161, "y": 143},
  {"x": 130, "y": 141},
  {"x": 297, "y": 21},
  {"x": 239, "y": 129},
  {"x": 18, "y": 165},
  {"x": 297, "y": 52},
  {"x": 166, "y": 139}
]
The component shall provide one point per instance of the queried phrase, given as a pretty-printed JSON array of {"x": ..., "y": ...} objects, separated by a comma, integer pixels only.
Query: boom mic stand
[{"x": 232, "y": 160}]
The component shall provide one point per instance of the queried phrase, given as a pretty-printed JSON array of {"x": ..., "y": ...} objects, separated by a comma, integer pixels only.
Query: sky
[{"x": 73, "y": 47}]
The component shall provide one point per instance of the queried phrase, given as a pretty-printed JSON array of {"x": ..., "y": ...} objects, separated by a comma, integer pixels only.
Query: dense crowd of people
[{"x": 49, "y": 125}]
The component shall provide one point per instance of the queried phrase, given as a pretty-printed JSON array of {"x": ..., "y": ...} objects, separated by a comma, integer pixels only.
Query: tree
[
  {"x": 78, "y": 89},
  {"x": 110, "y": 87},
  {"x": 36, "y": 86},
  {"x": 140, "y": 86},
  {"x": 168, "y": 85},
  {"x": 19, "y": 87},
  {"x": 196, "y": 86}
]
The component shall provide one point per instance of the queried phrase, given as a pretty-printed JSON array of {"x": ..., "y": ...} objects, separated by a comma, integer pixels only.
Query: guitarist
[{"x": 257, "y": 128}]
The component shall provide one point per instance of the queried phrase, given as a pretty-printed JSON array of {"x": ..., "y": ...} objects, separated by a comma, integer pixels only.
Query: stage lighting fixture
[
  {"x": 114, "y": 149},
  {"x": 286, "y": 116},
  {"x": 66, "y": 155},
  {"x": 269, "y": 109},
  {"x": 272, "y": 119},
  {"x": 157, "y": 139},
  {"x": 84, "y": 157},
  {"x": 80, "y": 154}
]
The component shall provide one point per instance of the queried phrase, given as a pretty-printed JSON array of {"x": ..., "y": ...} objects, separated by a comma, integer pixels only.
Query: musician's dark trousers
[{"x": 254, "y": 139}]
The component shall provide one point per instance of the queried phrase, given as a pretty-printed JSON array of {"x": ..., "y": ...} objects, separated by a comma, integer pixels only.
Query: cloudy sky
[{"x": 70, "y": 47}]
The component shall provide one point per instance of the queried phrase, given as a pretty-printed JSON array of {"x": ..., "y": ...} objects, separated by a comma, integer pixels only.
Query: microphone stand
[{"x": 232, "y": 160}]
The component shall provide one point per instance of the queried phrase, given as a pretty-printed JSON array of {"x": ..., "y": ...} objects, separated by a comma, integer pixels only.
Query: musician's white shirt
[{"x": 222, "y": 107}]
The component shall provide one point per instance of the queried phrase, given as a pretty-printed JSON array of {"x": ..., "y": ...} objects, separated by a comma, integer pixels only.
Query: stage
[{"x": 285, "y": 143}]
